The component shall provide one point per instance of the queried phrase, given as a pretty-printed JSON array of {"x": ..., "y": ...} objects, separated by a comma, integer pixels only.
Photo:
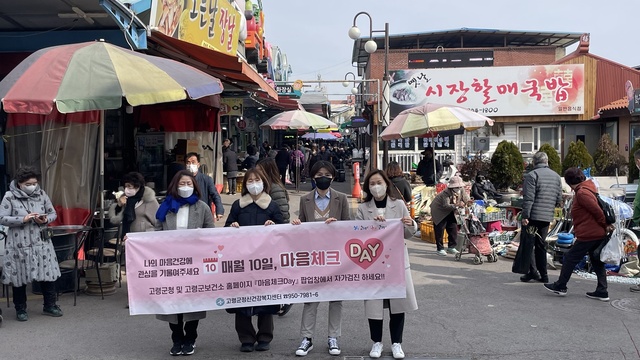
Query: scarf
[
  {"x": 171, "y": 204},
  {"x": 129, "y": 212}
]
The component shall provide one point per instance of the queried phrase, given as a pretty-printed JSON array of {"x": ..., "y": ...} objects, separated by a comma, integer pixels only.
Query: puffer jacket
[
  {"x": 279, "y": 196},
  {"x": 542, "y": 191},
  {"x": 588, "y": 218}
]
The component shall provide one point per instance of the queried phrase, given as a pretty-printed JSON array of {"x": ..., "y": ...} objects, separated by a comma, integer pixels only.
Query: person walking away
[
  {"x": 282, "y": 160},
  {"x": 208, "y": 192},
  {"x": 401, "y": 188},
  {"x": 230, "y": 166},
  {"x": 255, "y": 207},
  {"x": 328, "y": 205},
  {"x": 297, "y": 164},
  {"x": 182, "y": 209},
  {"x": 591, "y": 231},
  {"x": 251, "y": 160},
  {"x": 136, "y": 208},
  {"x": 379, "y": 205},
  {"x": 277, "y": 191},
  {"x": 542, "y": 192},
  {"x": 28, "y": 257},
  {"x": 429, "y": 168},
  {"x": 443, "y": 213}
]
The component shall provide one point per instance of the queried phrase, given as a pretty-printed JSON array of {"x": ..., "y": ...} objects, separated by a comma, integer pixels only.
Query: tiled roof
[{"x": 616, "y": 105}]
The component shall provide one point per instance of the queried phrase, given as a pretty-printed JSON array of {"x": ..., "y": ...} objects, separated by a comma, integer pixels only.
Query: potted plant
[{"x": 507, "y": 167}]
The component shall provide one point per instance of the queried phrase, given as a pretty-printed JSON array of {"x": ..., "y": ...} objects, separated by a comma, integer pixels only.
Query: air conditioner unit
[
  {"x": 481, "y": 143},
  {"x": 526, "y": 147}
]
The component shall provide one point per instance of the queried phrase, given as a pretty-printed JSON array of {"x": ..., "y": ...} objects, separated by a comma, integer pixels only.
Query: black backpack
[{"x": 607, "y": 209}]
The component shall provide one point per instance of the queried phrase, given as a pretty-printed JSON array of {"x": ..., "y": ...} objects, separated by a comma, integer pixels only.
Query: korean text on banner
[
  {"x": 184, "y": 271},
  {"x": 211, "y": 24}
]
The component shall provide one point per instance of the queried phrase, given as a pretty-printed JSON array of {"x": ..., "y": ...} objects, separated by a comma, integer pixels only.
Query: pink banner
[{"x": 183, "y": 271}]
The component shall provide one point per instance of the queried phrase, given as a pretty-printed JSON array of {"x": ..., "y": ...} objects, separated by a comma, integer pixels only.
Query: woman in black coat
[
  {"x": 401, "y": 188},
  {"x": 255, "y": 207}
]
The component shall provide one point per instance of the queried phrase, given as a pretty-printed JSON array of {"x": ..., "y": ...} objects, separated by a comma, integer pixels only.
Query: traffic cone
[{"x": 356, "y": 192}]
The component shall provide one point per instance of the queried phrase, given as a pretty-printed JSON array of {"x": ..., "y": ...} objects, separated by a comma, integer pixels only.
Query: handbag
[{"x": 46, "y": 233}]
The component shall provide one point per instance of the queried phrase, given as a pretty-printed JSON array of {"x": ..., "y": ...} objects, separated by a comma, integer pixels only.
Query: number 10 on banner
[{"x": 210, "y": 265}]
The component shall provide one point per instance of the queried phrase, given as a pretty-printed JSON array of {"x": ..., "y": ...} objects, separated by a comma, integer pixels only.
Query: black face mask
[{"x": 323, "y": 182}]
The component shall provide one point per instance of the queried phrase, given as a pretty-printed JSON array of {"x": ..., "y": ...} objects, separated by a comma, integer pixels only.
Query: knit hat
[{"x": 455, "y": 182}]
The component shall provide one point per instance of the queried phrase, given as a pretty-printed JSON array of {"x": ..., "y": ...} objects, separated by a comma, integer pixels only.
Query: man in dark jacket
[
  {"x": 208, "y": 192},
  {"x": 542, "y": 192},
  {"x": 429, "y": 168},
  {"x": 230, "y": 166},
  {"x": 282, "y": 161}
]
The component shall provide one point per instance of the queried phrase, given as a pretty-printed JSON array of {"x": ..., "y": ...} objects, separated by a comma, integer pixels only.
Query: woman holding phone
[{"x": 28, "y": 257}]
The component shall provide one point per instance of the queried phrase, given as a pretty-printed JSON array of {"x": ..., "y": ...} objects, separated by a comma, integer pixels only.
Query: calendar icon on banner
[{"x": 210, "y": 265}]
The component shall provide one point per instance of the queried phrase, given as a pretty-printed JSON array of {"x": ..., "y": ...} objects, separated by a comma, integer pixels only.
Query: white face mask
[
  {"x": 255, "y": 188},
  {"x": 130, "y": 192},
  {"x": 185, "y": 191},
  {"x": 28, "y": 189},
  {"x": 378, "y": 191},
  {"x": 193, "y": 168}
]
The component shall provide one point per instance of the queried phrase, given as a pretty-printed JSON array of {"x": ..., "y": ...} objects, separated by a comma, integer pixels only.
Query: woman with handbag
[
  {"x": 380, "y": 206},
  {"x": 29, "y": 254},
  {"x": 255, "y": 207},
  {"x": 182, "y": 209},
  {"x": 591, "y": 229},
  {"x": 401, "y": 188}
]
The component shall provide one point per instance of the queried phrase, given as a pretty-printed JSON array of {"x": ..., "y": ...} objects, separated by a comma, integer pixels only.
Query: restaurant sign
[
  {"x": 493, "y": 91},
  {"x": 213, "y": 24}
]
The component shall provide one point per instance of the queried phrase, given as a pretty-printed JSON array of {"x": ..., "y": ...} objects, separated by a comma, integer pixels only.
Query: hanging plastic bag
[{"x": 613, "y": 250}]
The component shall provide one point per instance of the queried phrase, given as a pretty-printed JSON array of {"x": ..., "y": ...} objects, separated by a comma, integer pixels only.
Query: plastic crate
[
  {"x": 428, "y": 234},
  {"x": 499, "y": 215},
  {"x": 502, "y": 237}
]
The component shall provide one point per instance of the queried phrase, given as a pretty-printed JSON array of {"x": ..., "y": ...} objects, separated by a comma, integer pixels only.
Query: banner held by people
[{"x": 185, "y": 271}]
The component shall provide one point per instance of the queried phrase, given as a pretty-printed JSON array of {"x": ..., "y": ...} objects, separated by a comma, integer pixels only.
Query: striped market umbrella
[
  {"x": 431, "y": 117},
  {"x": 297, "y": 119},
  {"x": 96, "y": 76}
]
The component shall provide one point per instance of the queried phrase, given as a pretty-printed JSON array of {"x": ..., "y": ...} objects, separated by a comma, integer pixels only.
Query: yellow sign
[
  {"x": 231, "y": 106},
  {"x": 213, "y": 24}
]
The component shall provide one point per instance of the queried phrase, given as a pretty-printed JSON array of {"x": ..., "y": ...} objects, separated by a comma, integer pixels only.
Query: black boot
[{"x": 530, "y": 276}]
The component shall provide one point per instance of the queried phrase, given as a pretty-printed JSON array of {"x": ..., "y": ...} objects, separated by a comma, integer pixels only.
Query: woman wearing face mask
[
  {"x": 379, "y": 205},
  {"x": 181, "y": 209},
  {"x": 443, "y": 208},
  {"x": 328, "y": 205},
  {"x": 25, "y": 209},
  {"x": 137, "y": 206},
  {"x": 255, "y": 207}
]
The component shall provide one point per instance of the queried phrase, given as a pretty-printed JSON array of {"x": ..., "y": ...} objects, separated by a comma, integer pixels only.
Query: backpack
[{"x": 607, "y": 209}]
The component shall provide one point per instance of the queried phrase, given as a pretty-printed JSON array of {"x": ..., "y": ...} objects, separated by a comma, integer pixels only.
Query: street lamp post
[{"x": 370, "y": 47}]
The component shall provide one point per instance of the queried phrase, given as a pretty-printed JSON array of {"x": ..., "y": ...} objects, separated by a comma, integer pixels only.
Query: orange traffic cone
[{"x": 356, "y": 192}]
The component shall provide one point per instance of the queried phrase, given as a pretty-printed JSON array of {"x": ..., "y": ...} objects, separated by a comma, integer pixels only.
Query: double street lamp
[{"x": 370, "y": 47}]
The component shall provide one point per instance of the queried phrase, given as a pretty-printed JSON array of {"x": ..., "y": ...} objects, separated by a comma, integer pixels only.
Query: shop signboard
[
  {"x": 493, "y": 91},
  {"x": 213, "y": 24},
  {"x": 290, "y": 89},
  {"x": 231, "y": 107}
]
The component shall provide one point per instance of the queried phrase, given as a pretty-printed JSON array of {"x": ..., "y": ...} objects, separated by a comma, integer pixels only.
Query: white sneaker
[
  {"x": 376, "y": 350},
  {"x": 334, "y": 349},
  {"x": 441, "y": 253},
  {"x": 305, "y": 347},
  {"x": 396, "y": 348},
  {"x": 452, "y": 251}
]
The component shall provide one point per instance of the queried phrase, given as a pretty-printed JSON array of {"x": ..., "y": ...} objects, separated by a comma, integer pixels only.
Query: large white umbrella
[{"x": 297, "y": 119}]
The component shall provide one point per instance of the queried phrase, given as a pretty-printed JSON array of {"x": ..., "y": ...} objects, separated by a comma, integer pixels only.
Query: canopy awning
[{"x": 229, "y": 69}]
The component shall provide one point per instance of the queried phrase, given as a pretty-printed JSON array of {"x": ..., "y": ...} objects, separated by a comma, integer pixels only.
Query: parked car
[{"x": 629, "y": 191}]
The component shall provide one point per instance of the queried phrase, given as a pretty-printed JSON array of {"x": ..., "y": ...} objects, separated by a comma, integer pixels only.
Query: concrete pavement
[{"x": 466, "y": 312}]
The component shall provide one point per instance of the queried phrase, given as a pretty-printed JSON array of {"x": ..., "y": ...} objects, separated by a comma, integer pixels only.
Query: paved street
[{"x": 466, "y": 312}]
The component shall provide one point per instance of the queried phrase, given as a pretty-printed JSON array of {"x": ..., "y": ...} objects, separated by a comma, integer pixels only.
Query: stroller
[{"x": 474, "y": 239}]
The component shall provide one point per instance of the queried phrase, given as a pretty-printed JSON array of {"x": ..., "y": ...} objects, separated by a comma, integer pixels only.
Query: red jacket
[{"x": 588, "y": 218}]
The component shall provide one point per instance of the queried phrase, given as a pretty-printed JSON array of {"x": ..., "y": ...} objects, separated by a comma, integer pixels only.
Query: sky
[{"x": 313, "y": 33}]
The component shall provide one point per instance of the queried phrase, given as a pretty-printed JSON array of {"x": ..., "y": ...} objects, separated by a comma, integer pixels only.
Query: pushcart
[{"x": 475, "y": 240}]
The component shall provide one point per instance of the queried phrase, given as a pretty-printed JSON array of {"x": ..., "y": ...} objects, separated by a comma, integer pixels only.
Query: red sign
[{"x": 242, "y": 124}]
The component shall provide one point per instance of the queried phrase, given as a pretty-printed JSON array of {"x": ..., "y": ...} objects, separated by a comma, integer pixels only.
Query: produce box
[
  {"x": 428, "y": 234},
  {"x": 499, "y": 215}
]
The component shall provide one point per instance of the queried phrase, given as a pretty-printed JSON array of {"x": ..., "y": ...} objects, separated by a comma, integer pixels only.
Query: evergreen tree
[
  {"x": 633, "y": 170},
  {"x": 607, "y": 158},
  {"x": 577, "y": 156},
  {"x": 507, "y": 166},
  {"x": 554, "y": 159}
]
